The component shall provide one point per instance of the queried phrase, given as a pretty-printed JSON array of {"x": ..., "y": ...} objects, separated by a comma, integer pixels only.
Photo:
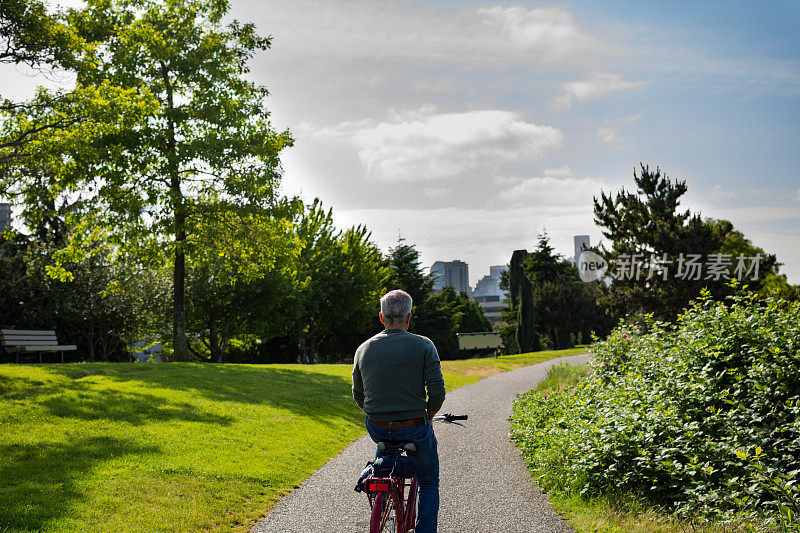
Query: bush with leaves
[{"x": 700, "y": 418}]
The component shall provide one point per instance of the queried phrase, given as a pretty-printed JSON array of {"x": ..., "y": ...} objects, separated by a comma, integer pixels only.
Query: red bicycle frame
[{"x": 388, "y": 497}]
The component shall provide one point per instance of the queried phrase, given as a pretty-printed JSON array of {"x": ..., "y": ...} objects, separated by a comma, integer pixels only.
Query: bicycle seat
[{"x": 407, "y": 446}]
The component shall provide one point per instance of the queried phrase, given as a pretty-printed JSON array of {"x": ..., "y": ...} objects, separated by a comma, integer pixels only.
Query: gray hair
[{"x": 395, "y": 307}]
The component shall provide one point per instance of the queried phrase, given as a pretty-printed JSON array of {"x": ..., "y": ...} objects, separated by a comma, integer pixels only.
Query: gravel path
[{"x": 484, "y": 485}]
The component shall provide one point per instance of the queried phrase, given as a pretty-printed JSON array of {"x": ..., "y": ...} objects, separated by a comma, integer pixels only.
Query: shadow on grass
[
  {"x": 303, "y": 391},
  {"x": 39, "y": 483},
  {"x": 81, "y": 400}
]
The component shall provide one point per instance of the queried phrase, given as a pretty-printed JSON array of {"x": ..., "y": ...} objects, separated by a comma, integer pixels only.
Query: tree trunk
[
  {"x": 180, "y": 352},
  {"x": 301, "y": 343},
  {"x": 213, "y": 340},
  {"x": 91, "y": 342}
]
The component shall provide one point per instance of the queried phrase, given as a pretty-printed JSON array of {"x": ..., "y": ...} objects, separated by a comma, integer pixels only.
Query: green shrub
[{"x": 699, "y": 418}]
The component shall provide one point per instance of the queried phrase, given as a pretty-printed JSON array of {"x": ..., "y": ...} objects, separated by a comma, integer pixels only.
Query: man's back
[{"x": 391, "y": 372}]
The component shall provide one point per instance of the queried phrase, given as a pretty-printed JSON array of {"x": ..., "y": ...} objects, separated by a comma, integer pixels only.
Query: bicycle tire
[{"x": 384, "y": 518}]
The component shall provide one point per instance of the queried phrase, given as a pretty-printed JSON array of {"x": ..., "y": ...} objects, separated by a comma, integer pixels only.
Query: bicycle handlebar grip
[{"x": 458, "y": 417}]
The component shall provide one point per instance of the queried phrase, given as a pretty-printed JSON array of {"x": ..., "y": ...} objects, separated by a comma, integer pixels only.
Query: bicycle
[{"x": 393, "y": 497}]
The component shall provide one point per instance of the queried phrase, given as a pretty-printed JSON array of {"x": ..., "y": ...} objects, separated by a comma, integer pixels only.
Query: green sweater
[{"x": 391, "y": 372}]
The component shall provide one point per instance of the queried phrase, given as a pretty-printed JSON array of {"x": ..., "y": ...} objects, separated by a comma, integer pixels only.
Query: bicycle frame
[{"x": 404, "y": 503}]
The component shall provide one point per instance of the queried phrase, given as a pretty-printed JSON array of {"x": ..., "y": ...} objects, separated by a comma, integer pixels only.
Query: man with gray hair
[{"x": 392, "y": 372}]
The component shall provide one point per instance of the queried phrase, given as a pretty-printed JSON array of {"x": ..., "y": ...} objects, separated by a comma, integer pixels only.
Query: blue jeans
[{"x": 427, "y": 459}]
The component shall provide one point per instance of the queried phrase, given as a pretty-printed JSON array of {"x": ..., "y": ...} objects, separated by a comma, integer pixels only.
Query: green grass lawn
[{"x": 175, "y": 447}]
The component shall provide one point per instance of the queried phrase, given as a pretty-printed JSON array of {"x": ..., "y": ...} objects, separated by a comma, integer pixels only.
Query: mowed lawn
[{"x": 175, "y": 447}]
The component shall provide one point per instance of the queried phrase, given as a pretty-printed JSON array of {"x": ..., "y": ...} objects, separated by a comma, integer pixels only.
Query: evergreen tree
[
  {"x": 407, "y": 272},
  {"x": 521, "y": 299},
  {"x": 647, "y": 225}
]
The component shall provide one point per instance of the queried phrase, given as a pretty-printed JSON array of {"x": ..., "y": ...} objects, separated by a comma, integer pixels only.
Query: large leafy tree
[
  {"x": 207, "y": 143},
  {"x": 338, "y": 280}
]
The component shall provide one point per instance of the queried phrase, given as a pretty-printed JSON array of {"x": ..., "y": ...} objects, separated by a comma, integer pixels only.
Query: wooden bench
[{"x": 26, "y": 341}]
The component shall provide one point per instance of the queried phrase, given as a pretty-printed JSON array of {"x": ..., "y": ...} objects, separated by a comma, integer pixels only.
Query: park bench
[{"x": 27, "y": 341}]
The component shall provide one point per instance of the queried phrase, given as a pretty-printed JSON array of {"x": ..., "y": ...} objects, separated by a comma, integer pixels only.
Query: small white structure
[{"x": 481, "y": 340}]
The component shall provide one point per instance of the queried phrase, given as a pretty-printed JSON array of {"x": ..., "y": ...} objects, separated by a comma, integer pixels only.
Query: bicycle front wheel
[{"x": 384, "y": 519}]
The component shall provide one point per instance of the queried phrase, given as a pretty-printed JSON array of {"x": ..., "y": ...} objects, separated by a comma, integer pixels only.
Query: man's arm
[
  {"x": 434, "y": 381},
  {"x": 358, "y": 384}
]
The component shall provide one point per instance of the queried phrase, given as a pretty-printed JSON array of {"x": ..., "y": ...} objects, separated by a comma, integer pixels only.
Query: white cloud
[
  {"x": 548, "y": 33},
  {"x": 554, "y": 191},
  {"x": 797, "y": 196},
  {"x": 598, "y": 85},
  {"x": 438, "y": 146},
  {"x": 560, "y": 172},
  {"x": 608, "y": 135}
]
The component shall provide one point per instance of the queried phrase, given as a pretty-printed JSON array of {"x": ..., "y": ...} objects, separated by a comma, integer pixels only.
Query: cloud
[
  {"x": 429, "y": 33},
  {"x": 797, "y": 196},
  {"x": 560, "y": 172},
  {"x": 506, "y": 180},
  {"x": 548, "y": 33},
  {"x": 553, "y": 191},
  {"x": 608, "y": 135},
  {"x": 436, "y": 146},
  {"x": 598, "y": 85},
  {"x": 719, "y": 192},
  {"x": 435, "y": 193}
]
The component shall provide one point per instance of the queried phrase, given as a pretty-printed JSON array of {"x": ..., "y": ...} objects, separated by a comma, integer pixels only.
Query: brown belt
[{"x": 399, "y": 424}]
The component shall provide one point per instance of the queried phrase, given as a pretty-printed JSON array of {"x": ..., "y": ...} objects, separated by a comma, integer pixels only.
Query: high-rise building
[
  {"x": 451, "y": 274},
  {"x": 5, "y": 216},
  {"x": 489, "y": 294},
  {"x": 490, "y": 285}
]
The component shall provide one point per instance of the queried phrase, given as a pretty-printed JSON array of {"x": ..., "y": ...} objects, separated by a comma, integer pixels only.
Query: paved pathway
[{"x": 484, "y": 485}]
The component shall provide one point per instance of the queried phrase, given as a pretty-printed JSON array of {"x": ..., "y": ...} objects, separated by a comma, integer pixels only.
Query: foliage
[
  {"x": 444, "y": 314},
  {"x": 31, "y": 36},
  {"x": 103, "y": 310},
  {"x": 201, "y": 140},
  {"x": 438, "y": 316},
  {"x": 521, "y": 301},
  {"x": 239, "y": 277},
  {"x": 565, "y": 308},
  {"x": 699, "y": 418},
  {"x": 407, "y": 272},
  {"x": 338, "y": 281},
  {"x": 648, "y": 223}
]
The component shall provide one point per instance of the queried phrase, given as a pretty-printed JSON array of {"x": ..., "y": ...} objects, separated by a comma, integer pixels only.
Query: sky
[{"x": 468, "y": 128}]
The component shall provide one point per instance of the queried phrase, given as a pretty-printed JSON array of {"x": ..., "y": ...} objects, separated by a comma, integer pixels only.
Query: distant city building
[
  {"x": 5, "y": 216},
  {"x": 450, "y": 274},
  {"x": 490, "y": 285},
  {"x": 581, "y": 244},
  {"x": 489, "y": 294}
]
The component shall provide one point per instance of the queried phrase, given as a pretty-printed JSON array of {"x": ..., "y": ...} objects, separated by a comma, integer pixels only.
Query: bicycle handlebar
[{"x": 447, "y": 417}]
